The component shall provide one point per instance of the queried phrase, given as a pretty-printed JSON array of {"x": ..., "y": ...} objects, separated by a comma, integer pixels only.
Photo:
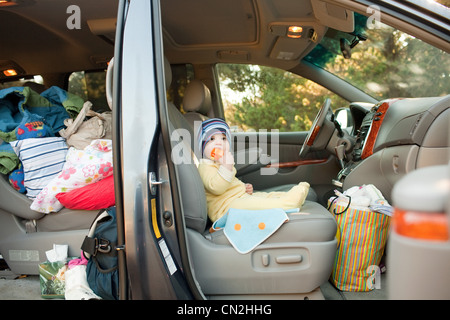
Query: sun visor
[
  {"x": 294, "y": 39},
  {"x": 103, "y": 28},
  {"x": 333, "y": 16}
]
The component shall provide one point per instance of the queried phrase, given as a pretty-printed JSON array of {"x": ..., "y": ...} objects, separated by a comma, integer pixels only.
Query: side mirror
[{"x": 344, "y": 117}]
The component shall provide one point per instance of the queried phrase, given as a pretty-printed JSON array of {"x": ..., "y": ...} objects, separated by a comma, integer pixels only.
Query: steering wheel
[{"x": 315, "y": 128}]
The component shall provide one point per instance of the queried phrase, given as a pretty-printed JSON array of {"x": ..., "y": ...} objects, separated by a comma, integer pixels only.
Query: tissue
[{"x": 58, "y": 253}]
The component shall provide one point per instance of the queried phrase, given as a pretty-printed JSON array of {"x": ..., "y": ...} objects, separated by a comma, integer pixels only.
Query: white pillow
[
  {"x": 42, "y": 160},
  {"x": 81, "y": 168}
]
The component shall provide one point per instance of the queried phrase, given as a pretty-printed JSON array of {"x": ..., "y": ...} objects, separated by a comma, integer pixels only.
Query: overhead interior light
[
  {"x": 9, "y": 69},
  {"x": 10, "y": 72},
  {"x": 294, "y": 32}
]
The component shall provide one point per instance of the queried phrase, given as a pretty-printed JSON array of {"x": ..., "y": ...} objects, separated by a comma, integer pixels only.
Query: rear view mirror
[{"x": 344, "y": 117}]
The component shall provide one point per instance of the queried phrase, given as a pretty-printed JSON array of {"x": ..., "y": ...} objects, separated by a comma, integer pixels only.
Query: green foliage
[
  {"x": 393, "y": 64},
  {"x": 90, "y": 86},
  {"x": 272, "y": 98}
]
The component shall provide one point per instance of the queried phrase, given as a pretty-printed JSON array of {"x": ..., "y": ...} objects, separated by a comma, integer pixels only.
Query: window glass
[
  {"x": 258, "y": 97},
  {"x": 91, "y": 86},
  {"x": 383, "y": 61},
  {"x": 21, "y": 82},
  {"x": 182, "y": 74}
]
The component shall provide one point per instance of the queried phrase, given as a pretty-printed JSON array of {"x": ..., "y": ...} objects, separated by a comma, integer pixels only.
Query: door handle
[{"x": 153, "y": 183}]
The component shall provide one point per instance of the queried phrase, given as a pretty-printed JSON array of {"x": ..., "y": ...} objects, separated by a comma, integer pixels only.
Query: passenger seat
[{"x": 294, "y": 261}]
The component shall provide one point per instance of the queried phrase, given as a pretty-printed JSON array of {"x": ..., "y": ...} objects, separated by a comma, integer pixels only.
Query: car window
[
  {"x": 182, "y": 74},
  {"x": 383, "y": 61},
  {"x": 259, "y": 97},
  {"x": 91, "y": 86},
  {"x": 21, "y": 82}
]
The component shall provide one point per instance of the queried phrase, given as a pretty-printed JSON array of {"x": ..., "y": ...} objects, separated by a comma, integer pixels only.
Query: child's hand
[
  {"x": 249, "y": 188},
  {"x": 227, "y": 160}
]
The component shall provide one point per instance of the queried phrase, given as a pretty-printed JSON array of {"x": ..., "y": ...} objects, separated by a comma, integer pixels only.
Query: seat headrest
[
  {"x": 39, "y": 88},
  {"x": 197, "y": 98}
]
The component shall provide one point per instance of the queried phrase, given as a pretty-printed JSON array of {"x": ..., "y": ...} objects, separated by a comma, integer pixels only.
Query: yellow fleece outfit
[{"x": 225, "y": 191}]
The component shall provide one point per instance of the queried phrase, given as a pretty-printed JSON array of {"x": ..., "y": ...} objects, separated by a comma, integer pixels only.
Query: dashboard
[{"x": 394, "y": 137}]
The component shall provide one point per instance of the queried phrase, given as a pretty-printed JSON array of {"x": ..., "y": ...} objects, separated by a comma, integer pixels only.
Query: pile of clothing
[{"x": 40, "y": 159}]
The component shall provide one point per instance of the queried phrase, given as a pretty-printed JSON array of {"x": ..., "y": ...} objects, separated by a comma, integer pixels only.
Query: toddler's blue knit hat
[{"x": 209, "y": 128}]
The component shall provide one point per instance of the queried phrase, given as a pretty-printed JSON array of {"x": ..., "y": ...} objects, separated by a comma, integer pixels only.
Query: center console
[{"x": 365, "y": 139}]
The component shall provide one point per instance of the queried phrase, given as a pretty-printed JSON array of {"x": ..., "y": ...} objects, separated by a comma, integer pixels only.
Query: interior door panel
[{"x": 274, "y": 160}]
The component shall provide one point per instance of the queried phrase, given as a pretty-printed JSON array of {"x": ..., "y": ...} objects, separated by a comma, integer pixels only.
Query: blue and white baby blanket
[{"x": 246, "y": 229}]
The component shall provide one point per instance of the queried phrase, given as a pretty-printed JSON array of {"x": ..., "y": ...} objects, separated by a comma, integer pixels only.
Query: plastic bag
[
  {"x": 362, "y": 234},
  {"x": 80, "y": 132},
  {"x": 52, "y": 279}
]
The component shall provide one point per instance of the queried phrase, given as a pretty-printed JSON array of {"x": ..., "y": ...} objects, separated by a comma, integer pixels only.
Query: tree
[{"x": 271, "y": 98}]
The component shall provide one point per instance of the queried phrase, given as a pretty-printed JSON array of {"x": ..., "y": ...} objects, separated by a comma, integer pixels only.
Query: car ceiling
[
  {"x": 37, "y": 36},
  {"x": 250, "y": 31},
  {"x": 204, "y": 31}
]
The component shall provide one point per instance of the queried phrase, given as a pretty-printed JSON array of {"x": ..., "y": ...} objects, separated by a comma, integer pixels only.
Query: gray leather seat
[
  {"x": 312, "y": 194},
  {"x": 19, "y": 205},
  {"x": 34, "y": 232},
  {"x": 295, "y": 260},
  {"x": 310, "y": 224}
]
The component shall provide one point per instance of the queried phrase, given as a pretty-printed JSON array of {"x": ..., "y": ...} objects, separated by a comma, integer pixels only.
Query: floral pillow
[{"x": 82, "y": 167}]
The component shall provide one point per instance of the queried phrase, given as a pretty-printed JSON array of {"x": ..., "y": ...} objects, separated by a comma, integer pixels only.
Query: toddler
[{"x": 223, "y": 189}]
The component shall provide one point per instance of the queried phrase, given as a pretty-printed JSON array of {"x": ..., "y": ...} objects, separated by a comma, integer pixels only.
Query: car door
[{"x": 151, "y": 265}]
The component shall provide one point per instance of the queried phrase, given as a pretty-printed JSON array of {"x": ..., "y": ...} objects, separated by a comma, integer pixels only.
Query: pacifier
[{"x": 216, "y": 153}]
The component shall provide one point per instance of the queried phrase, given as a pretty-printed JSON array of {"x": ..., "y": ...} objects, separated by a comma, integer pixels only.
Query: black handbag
[{"x": 100, "y": 248}]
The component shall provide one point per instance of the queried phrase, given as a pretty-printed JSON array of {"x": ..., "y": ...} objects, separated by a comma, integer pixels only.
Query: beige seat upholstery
[{"x": 197, "y": 102}]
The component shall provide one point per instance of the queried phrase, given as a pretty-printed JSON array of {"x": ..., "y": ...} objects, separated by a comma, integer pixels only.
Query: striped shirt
[{"x": 42, "y": 160}]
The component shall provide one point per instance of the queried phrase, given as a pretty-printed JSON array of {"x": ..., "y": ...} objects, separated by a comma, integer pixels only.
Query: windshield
[{"x": 383, "y": 61}]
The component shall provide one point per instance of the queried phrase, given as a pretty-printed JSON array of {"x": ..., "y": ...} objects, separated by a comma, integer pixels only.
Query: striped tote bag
[{"x": 361, "y": 239}]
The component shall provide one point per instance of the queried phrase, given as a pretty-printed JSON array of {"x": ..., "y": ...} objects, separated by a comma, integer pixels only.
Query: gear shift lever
[{"x": 340, "y": 153}]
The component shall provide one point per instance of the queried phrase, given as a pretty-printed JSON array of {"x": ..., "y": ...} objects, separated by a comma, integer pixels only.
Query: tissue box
[{"x": 52, "y": 279}]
